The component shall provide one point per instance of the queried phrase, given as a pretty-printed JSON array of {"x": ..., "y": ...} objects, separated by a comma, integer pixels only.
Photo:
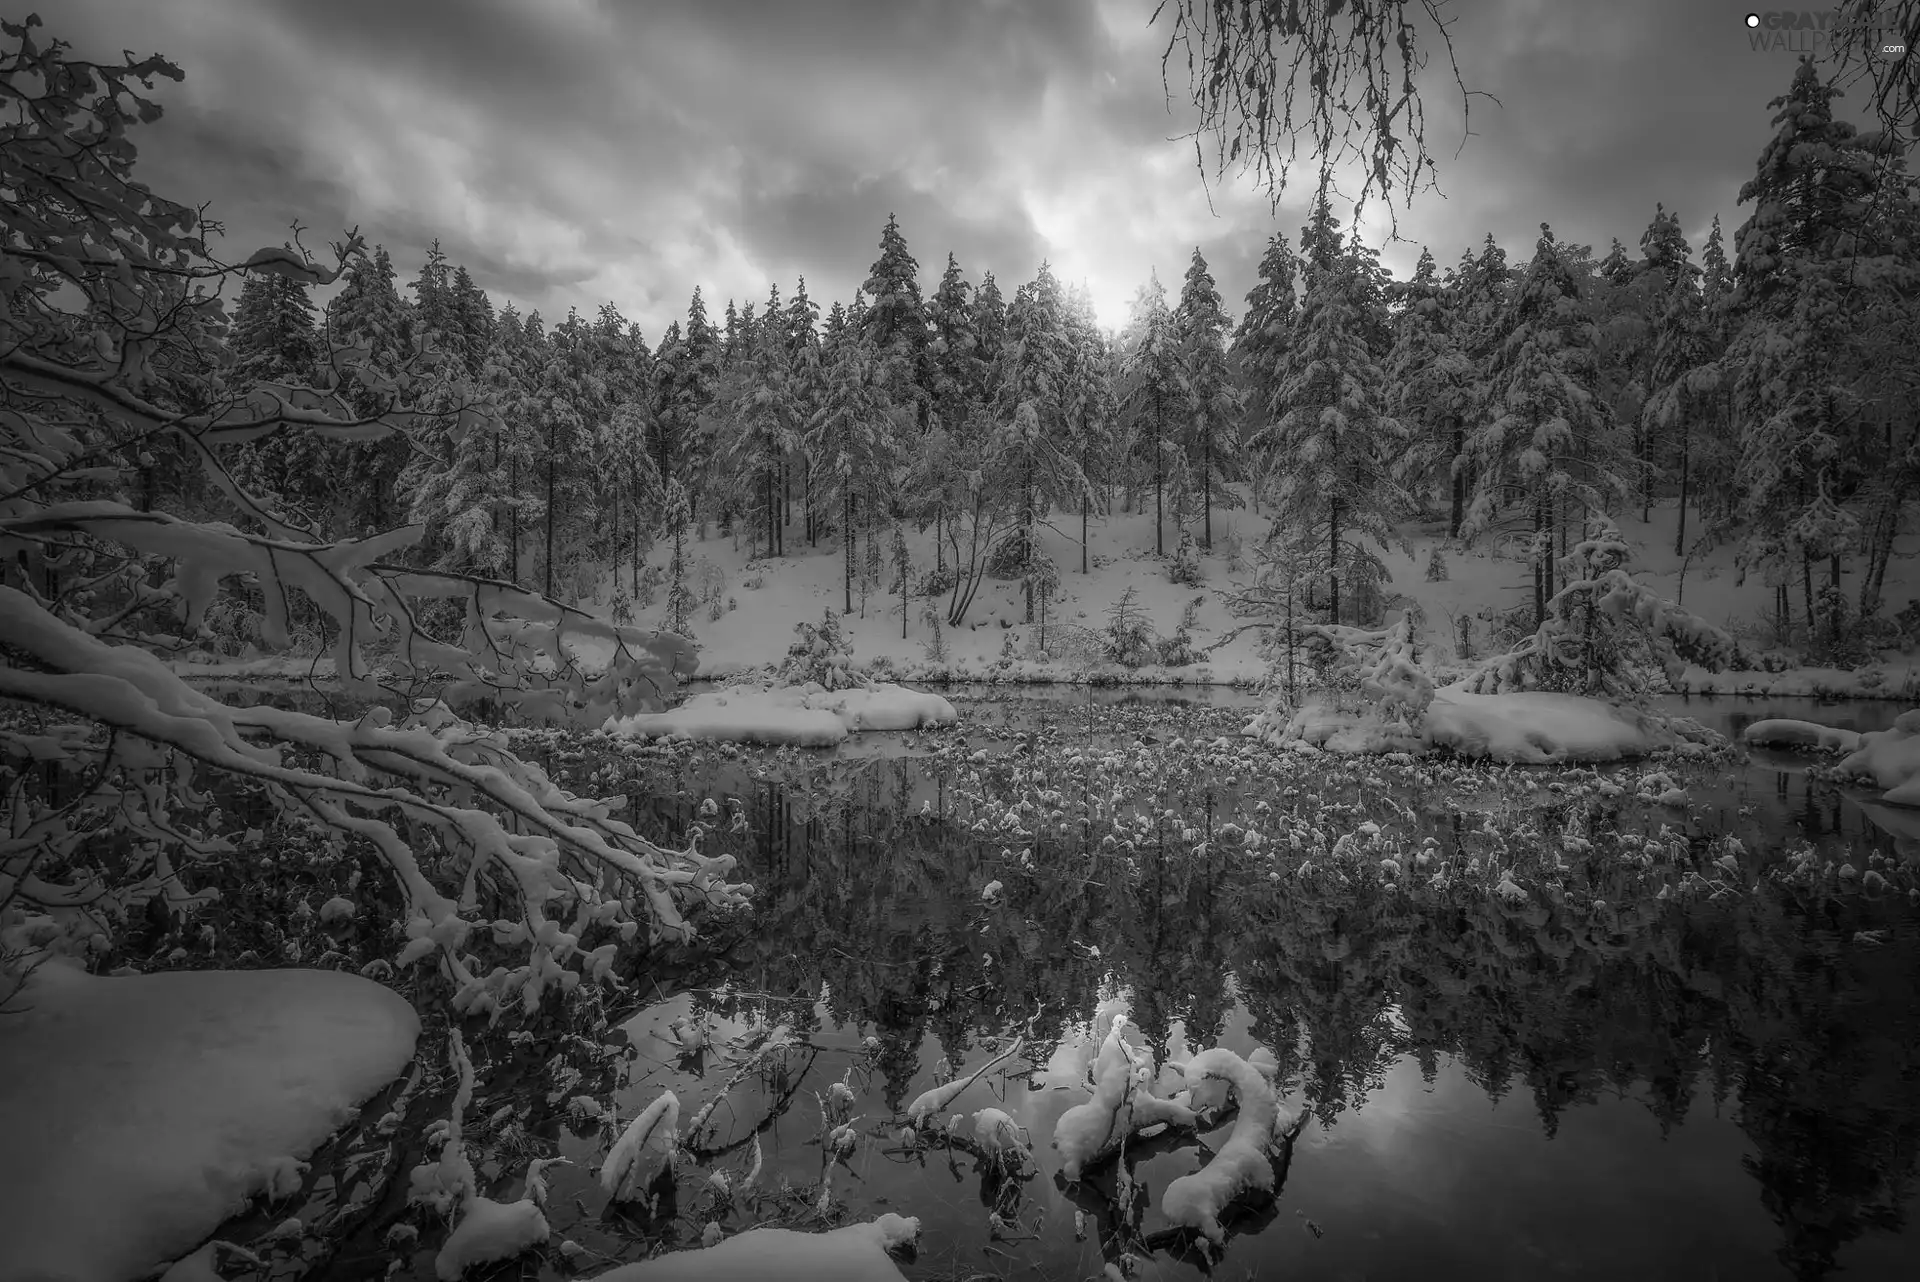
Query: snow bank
[
  {"x": 803, "y": 716},
  {"x": 856, "y": 1253},
  {"x": 1532, "y": 727},
  {"x": 139, "y": 1112},
  {"x": 1785, "y": 732},
  {"x": 1891, "y": 759},
  {"x": 1539, "y": 727}
]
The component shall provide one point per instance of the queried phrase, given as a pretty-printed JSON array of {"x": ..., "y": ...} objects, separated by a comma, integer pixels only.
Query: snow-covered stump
[
  {"x": 1090, "y": 1133},
  {"x": 1244, "y": 1163}
]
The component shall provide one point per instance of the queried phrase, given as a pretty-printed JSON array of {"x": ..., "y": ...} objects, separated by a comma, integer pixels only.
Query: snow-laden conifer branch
[{"x": 92, "y": 583}]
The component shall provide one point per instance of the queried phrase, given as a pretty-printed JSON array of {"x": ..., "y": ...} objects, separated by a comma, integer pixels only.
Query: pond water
[{"x": 1539, "y": 1024}]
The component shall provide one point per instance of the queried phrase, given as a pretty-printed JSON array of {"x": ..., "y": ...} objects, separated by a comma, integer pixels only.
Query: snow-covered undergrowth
[{"x": 139, "y": 1112}]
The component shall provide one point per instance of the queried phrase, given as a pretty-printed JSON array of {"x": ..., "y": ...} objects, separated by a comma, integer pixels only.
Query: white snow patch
[
  {"x": 855, "y": 1253},
  {"x": 1891, "y": 758},
  {"x": 487, "y": 1232},
  {"x": 1244, "y": 1163},
  {"x": 141, "y": 1111},
  {"x": 1784, "y": 732},
  {"x": 803, "y": 716},
  {"x": 1534, "y": 727}
]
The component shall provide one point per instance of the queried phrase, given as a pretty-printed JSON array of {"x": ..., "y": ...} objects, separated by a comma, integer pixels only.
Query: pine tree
[
  {"x": 1803, "y": 457},
  {"x": 369, "y": 314},
  {"x": 1031, "y": 446},
  {"x": 1212, "y": 407},
  {"x": 952, "y": 376},
  {"x": 852, "y": 435},
  {"x": 1091, "y": 408},
  {"x": 1260, "y": 342},
  {"x": 274, "y": 340},
  {"x": 1551, "y": 439},
  {"x": 1150, "y": 381},
  {"x": 1335, "y": 442},
  {"x": 896, "y": 321},
  {"x": 681, "y": 601},
  {"x": 1431, "y": 382}
]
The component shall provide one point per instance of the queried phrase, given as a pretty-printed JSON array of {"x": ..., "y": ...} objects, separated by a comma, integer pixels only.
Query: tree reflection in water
[{"x": 1629, "y": 964}]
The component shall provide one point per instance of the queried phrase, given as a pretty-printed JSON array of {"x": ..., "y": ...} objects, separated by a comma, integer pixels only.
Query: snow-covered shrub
[
  {"x": 1184, "y": 569},
  {"x": 822, "y": 655},
  {"x": 1436, "y": 565},
  {"x": 1129, "y": 638},
  {"x": 935, "y": 582},
  {"x": 1605, "y": 634},
  {"x": 1236, "y": 552},
  {"x": 620, "y": 609},
  {"x": 936, "y": 642},
  {"x": 652, "y": 579}
]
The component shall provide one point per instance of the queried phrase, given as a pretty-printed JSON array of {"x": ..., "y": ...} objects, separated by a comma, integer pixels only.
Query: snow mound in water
[
  {"x": 1531, "y": 727},
  {"x": 141, "y": 1111},
  {"x": 803, "y": 716},
  {"x": 1891, "y": 758},
  {"x": 1784, "y": 732},
  {"x": 856, "y": 1253}
]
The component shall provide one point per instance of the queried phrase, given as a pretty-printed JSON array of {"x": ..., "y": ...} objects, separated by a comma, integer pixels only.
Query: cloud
[{"x": 575, "y": 152}]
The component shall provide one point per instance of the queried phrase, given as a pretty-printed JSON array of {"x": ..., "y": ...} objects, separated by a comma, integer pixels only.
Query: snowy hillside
[{"x": 762, "y": 600}]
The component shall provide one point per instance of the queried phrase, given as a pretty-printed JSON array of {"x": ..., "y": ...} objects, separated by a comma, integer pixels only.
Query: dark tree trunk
[
  {"x": 1333, "y": 560},
  {"x": 846, "y": 538},
  {"x": 1459, "y": 471},
  {"x": 1686, "y": 452},
  {"x": 1206, "y": 493}
]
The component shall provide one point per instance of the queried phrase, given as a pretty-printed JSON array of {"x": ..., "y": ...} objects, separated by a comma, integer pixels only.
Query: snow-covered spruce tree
[
  {"x": 369, "y": 313},
  {"x": 1549, "y": 441},
  {"x": 1606, "y": 634},
  {"x": 1032, "y": 446},
  {"x": 1213, "y": 407},
  {"x": 951, "y": 376},
  {"x": 823, "y": 656},
  {"x": 1333, "y": 444},
  {"x": 852, "y": 439},
  {"x": 1431, "y": 387},
  {"x": 757, "y": 424},
  {"x": 101, "y": 277},
  {"x": 896, "y": 322},
  {"x": 274, "y": 338},
  {"x": 801, "y": 326},
  {"x": 1091, "y": 408},
  {"x": 1259, "y": 342},
  {"x": 682, "y": 601},
  {"x": 1806, "y": 265},
  {"x": 1687, "y": 389},
  {"x": 1150, "y": 391}
]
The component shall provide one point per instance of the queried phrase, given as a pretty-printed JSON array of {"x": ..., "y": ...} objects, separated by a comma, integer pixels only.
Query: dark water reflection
[
  {"x": 1699, "y": 1086},
  {"x": 1644, "y": 1069}
]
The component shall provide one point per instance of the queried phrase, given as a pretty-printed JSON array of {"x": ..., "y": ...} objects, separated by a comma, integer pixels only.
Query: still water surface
[{"x": 1688, "y": 1048}]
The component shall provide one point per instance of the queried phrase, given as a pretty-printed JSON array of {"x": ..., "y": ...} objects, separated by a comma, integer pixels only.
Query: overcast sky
[{"x": 574, "y": 152}]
